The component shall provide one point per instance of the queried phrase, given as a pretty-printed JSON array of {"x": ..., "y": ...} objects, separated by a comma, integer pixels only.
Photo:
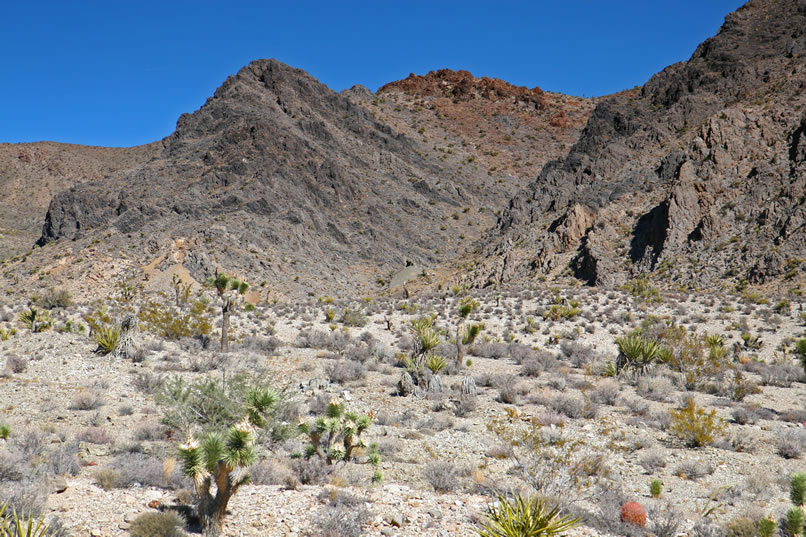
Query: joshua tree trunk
[
  {"x": 226, "y": 308},
  {"x": 460, "y": 350},
  {"x": 213, "y": 510}
]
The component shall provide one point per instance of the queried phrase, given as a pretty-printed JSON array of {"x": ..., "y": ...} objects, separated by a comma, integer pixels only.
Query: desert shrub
[
  {"x": 519, "y": 516},
  {"x": 173, "y": 323},
  {"x": 607, "y": 516},
  {"x": 694, "y": 425},
  {"x": 790, "y": 444},
  {"x": 210, "y": 405},
  {"x": 54, "y": 298},
  {"x": 343, "y": 371},
  {"x": 490, "y": 349},
  {"x": 552, "y": 463},
  {"x": 531, "y": 367},
  {"x": 313, "y": 471},
  {"x": 782, "y": 375},
  {"x": 354, "y": 317},
  {"x": 643, "y": 289},
  {"x": 693, "y": 469},
  {"x": 87, "y": 400},
  {"x": 442, "y": 476},
  {"x": 575, "y": 407},
  {"x": 150, "y": 431},
  {"x": 335, "y": 341},
  {"x": 157, "y": 524},
  {"x": 509, "y": 394},
  {"x": 265, "y": 345},
  {"x": 665, "y": 520},
  {"x": 147, "y": 382},
  {"x": 96, "y": 435},
  {"x": 741, "y": 527},
  {"x": 655, "y": 388},
  {"x": 16, "y": 364},
  {"x": 652, "y": 461},
  {"x": 465, "y": 404},
  {"x": 606, "y": 392}
]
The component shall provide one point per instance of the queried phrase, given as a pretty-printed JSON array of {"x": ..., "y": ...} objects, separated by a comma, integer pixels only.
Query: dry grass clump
[
  {"x": 87, "y": 400},
  {"x": 442, "y": 475}
]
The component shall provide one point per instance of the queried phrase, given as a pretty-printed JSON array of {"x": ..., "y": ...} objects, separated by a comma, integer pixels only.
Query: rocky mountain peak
[{"x": 463, "y": 86}]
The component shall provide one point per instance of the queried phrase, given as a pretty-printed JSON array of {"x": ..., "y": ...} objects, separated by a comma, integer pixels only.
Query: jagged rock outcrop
[{"x": 700, "y": 171}]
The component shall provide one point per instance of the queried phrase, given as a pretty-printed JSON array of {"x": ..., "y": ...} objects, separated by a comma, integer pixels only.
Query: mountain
[
  {"x": 293, "y": 186},
  {"x": 696, "y": 178},
  {"x": 31, "y": 174}
]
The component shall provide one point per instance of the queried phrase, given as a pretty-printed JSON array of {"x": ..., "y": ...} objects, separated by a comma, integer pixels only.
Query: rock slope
[{"x": 697, "y": 177}]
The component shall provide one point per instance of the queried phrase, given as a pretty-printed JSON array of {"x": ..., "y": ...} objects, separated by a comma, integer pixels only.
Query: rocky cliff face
[
  {"x": 283, "y": 181},
  {"x": 697, "y": 177}
]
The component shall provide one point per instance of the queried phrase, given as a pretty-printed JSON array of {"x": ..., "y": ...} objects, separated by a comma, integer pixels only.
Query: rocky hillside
[
  {"x": 281, "y": 180},
  {"x": 31, "y": 174},
  {"x": 697, "y": 177}
]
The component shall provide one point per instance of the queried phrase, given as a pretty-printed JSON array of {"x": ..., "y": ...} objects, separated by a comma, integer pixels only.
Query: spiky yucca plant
[
  {"x": 222, "y": 459},
  {"x": 35, "y": 319},
  {"x": 636, "y": 353},
  {"x": 107, "y": 337},
  {"x": 21, "y": 524},
  {"x": 465, "y": 308},
  {"x": 530, "y": 517}
]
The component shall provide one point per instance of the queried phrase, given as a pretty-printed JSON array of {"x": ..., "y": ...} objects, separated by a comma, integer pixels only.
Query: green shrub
[
  {"x": 641, "y": 288},
  {"x": 695, "y": 426},
  {"x": 5, "y": 431},
  {"x": 519, "y": 517},
  {"x": 53, "y": 298},
  {"x": 157, "y": 524},
  {"x": 354, "y": 318},
  {"x": 173, "y": 324}
]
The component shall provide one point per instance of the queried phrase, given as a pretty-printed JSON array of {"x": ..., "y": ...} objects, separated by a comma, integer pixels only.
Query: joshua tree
[
  {"x": 466, "y": 307},
  {"x": 222, "y": 459},
  {"x": 229, "y": 291}
]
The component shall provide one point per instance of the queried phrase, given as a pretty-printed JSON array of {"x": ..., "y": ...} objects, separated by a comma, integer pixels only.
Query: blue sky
[{"x": 119, "y": 73}]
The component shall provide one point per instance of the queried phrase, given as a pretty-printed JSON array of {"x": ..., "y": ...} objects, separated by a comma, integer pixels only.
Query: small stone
[
  {"x": 95, "y": 532},
  {"x": 58, "y": 485},
  {"x": 395, "y": 520},
  {"x": 387, "y": 531},
  {"x": 435, "y": 513}
]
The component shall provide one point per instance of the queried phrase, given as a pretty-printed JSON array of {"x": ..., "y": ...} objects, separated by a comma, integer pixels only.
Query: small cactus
[
  {"x": 767, "y": 527},
  {"x": 797, "y": 489},
  {"x": 794, "y": 521},
  {"x": 633, "y": 513},
  {"x": 655, "y": 488}
]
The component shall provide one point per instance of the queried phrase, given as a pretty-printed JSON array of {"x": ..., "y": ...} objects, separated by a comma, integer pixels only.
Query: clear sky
[{"x": 119, "y": 72}]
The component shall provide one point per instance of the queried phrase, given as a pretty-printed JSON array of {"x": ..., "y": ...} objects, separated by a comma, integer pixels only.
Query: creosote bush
[
  {"x": 695, "y": 426},
  {"x": 157, "y": 524}
]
